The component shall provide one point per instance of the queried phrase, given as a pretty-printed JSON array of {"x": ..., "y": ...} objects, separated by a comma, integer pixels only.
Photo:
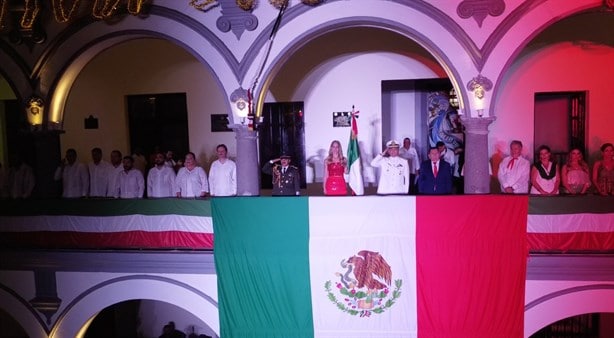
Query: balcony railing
[{"x": 554, "y": 224}]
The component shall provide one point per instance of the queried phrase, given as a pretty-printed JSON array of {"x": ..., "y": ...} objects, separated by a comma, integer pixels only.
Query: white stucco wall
[
  {"x": 144, "y": 66},
  {"x": 556, "y": 68},
  {"x": 353, "y": 80}
]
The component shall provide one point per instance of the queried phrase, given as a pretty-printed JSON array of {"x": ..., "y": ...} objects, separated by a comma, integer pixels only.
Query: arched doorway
[
  {"x": 598, "y": 325},
  {"x": 10, "y": 327},
  {"x": 346, "y": 67},
  {"x": 144, "y": 318},
  {"x": 142, "y": 66}
]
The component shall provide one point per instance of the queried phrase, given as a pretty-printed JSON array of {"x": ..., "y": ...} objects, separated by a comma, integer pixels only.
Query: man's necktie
[
  {"x": 435, "y": 169},
  {"x": 283, "y": 170},
  {"x": 511, "y": 164}
]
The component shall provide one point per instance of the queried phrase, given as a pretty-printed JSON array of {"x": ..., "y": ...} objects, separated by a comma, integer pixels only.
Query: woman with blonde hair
[
  {"x": 335, "y": 166},
  {"x": 575, "y": 174}
]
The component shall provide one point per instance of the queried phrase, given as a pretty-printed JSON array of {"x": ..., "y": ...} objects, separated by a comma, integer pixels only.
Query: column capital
[
  {"x": 477, "y": 125},
  {"x": 243, "y": 132}
]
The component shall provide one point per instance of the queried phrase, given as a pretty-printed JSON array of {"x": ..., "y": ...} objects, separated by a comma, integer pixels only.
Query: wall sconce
[
  {"x": 240, "y": 103},
  {"x": 479, "y": 86},
  {"x": 35, "y": 108},
  {"x": 478, "y": 100}
]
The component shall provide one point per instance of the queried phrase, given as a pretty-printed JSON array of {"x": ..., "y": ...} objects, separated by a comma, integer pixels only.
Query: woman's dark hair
[{"x": 543, "y": 147}]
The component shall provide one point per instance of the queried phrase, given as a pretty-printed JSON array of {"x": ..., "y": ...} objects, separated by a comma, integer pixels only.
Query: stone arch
[
  {"x": 518, "y": 29},
  {"x": 22, "y": 312},
  {"x": 565, "y": 303},
  {"x": 75, "y": 317},
  {"x": 15, "y": 72},
  {"x": 423, "y": 18},
  {"x": 62, "y": 62}
]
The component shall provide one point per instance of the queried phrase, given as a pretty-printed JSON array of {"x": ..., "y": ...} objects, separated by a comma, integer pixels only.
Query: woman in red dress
[{"x": 335, "y": 166}]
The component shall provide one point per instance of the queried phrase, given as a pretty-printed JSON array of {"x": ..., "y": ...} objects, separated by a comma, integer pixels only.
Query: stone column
[
  {"x": 47, "y": 156},
  {"x": 477, "y": 178},
  {"x": 248, "y": 170}
]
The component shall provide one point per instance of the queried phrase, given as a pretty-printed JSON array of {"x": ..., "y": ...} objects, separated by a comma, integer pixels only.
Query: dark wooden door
[
  {"x": 560, "y": 123},
  {"x": 282, "y": 131},
  {"x": 158, "y": 120}
]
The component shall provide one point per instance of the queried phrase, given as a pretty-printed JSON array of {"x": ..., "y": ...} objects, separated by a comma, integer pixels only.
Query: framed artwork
[
  {"x": 443, "y": 121},
  {"x": 90, "y": 122},
  {"x": 219, "y": 122},
  {"x": 342, "y": 119}
]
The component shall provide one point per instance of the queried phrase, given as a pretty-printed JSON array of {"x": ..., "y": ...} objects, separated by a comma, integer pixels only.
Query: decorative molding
[
  {"x": 236, "y": 19},
  {"x": 479, "y": 81},
  {"x": 480, "y": 9},
  {"x": 560, "y": 293},
  {"x": 238, "y": 94},
  {"x": 184, "y": 262},
  {"x": 46, "y": 300},
  {"x": 477, "y": 125},
  {"x": 570, "y": 267}
]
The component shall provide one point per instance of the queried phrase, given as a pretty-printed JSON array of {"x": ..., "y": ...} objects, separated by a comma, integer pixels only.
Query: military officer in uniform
[
  {"x": 286, "y": 177},
  {"x": 394, "y": 170}
]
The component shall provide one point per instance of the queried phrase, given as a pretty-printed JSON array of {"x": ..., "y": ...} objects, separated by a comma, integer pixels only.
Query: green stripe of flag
[
  {"x": 106, "y": 207},
  {"x": 262, "y": 263}
]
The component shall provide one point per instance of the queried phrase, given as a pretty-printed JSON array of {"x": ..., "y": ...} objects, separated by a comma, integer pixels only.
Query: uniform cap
[{"x": 392, "y": 144}]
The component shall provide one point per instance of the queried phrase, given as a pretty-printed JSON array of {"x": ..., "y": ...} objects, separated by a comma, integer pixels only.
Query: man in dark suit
[
  {"x": 435, "y": 175},
  {"x": 286, "y": 177}
]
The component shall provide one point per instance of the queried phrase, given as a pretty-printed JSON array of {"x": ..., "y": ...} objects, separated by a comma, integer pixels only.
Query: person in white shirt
[
  {"x": 394, "y": 170},
  {"x": 99, "y": 174},
  {"x": 447, "y": 155},
  {"x": 514, "y": 171},
  {"x": 115, "y": 169},
  {"x": 160, "y": 179},
  {"x": 169, "y": 160},
  {"x": 21, "y": 180},
  {"x": 191, "y": 179},
  {"x": 413, "y": 160},
  {"x": 223, "y": 174},
  {"x": 140, "y": 162},
  {"x": 74, "y": 176},
  {"x": 130, "y": 182}
]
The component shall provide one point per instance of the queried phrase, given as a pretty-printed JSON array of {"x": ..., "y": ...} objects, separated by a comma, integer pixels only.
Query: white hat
[{"x": 392, "y": 144}]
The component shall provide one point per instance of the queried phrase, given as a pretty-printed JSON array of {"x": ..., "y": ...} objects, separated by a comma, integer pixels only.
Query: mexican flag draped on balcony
[{"x": 371, "y": 266}]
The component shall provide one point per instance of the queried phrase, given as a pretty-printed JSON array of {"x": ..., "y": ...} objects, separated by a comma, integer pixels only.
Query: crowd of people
[
  {"x": 132, "y": 177},
  {"x": 546, "y": 177},
  {"x": 401, "y": 172}
]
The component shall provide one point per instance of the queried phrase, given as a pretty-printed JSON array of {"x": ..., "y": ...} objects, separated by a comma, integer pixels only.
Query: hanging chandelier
[{"x": 66, "y": 10}]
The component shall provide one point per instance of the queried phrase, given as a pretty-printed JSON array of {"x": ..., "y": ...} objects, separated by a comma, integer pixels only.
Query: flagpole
[{"x": 354, "y": 165}]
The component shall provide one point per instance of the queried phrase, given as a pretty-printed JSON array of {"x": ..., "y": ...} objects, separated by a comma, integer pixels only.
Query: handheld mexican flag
[{"x": 355, "y": 172}]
